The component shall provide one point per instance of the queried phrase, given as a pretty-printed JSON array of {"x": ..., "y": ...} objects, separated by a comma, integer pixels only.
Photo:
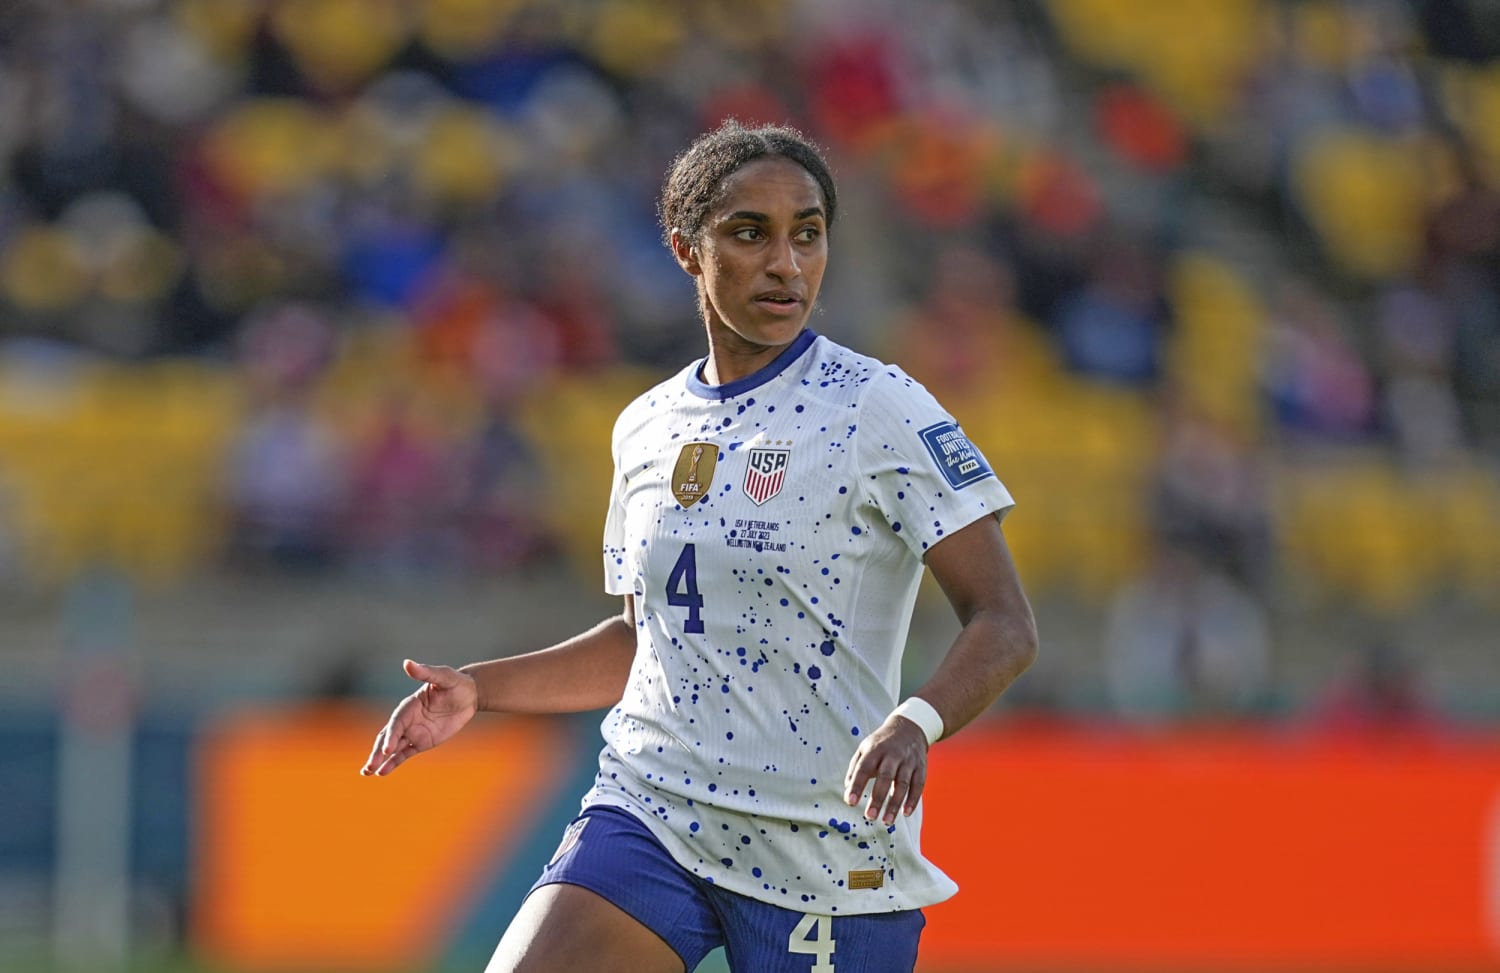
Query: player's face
[{"x": 760, "y": 256}]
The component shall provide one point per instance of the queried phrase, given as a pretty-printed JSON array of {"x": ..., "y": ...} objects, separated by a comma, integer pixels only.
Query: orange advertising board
[
  {"x": 1129, "y": 851},
  {"x": 303, "y": 864},
  {"x": 1075, "y": 849}
]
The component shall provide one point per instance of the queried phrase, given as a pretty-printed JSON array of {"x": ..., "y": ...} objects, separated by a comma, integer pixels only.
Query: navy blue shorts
[{"x": 607, "y": 851}]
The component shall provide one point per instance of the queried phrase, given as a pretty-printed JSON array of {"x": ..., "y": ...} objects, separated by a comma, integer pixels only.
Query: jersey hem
[{"x": 910, "y": 899}]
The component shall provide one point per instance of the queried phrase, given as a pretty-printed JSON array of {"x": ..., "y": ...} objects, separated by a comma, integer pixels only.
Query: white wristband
[{"x": 920, "y": 712}]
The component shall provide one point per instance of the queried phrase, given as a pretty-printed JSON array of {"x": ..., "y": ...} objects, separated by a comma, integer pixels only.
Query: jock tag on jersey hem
[{"x": 959, "y": 460}]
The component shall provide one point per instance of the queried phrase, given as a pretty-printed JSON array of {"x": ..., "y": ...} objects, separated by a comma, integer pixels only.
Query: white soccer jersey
[{"x": 772, "y": 531}]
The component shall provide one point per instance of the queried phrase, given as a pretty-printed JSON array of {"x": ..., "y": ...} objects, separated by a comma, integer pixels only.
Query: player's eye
[
  {"x": 808, "y": 234},
  {"x": 748, "y": 233}
]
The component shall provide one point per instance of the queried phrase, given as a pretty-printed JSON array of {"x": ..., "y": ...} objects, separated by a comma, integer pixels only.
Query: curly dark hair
[{"x": 695, "y": 179}]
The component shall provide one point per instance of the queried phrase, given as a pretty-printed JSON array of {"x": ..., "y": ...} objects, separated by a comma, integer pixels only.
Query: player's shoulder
[
  {"x": 879, "y": 386},
  {"x": 844, "y": 372}
]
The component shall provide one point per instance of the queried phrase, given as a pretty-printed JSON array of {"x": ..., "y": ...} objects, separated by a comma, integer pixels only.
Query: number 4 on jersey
[
  {"x": 801, "y": 941},
  {"x": 685, "y": 572}
]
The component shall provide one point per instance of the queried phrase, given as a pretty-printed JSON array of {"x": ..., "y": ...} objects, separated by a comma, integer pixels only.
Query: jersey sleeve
[
  {"x": 919, "y": 468},
  {"x": 617, "y": 579}
]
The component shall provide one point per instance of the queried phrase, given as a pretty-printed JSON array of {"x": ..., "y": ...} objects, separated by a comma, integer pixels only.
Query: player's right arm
[{"x": 588, "y": 671}]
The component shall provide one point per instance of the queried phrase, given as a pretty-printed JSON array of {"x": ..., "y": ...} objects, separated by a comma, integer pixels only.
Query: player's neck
[{"x": 732, "y": 357}]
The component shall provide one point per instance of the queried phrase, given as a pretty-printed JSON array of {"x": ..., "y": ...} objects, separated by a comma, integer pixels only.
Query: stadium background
[{"x": 314, "y": 315}]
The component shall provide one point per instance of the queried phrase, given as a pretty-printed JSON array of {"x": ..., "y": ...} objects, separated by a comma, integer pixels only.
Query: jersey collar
[{"x": 754, "y": 380}]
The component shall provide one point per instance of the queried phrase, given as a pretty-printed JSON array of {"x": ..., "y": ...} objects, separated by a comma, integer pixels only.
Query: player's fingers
[
  {"x": 899, "y": 790},
  {"x": 857, "y": 777},
  {"x": 395, "y": 736},
  {"x": 395, "y": 760},
  {"x": 444, "y": 677},
  {"x": 851, "y": 793},
  {"x": 880, "y": 794},
  {"x": 918, "y": 785},
  {"x": 377, "y": 752}
]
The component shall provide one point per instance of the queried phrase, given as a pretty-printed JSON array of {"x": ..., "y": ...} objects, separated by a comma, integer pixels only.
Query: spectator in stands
[
  {"x": 1377, "y": 690},
  {"x": 400, "y": 516},
  {"x": 1186, "y": 640},
  {"x": 1115, "y": 327},
  {"x": 1417, "y": 334},
  {"x": 501, "y": 486},
  {"x": 1318, "y": 384},
  {"x": 1210, "y": 495},
  {"x": 286, "y": 475},
  {"x": 956, "y": 339},
  {"x": 1461, "y": 265}
]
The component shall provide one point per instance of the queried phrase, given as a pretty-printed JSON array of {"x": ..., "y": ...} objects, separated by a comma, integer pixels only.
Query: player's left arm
[{"x": 997, "y": 642}]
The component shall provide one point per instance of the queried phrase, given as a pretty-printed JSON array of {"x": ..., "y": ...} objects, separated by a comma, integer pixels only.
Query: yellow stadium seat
[
  {"x": 569, "y": 425},
  {"x": 122, "y": 471},
  {"x": 632, "y": 37},
  {"x": 1461, "y": 519},
  {"x": 1362, "y": 531},
  {"x": 1195, "y": 53},
  {"x": 270, "y": 146},
  {"x": 341, "y": 43},
  {"x": 461, "y": 29},
  {"x": 1365, "y": 197},
  {"x": 1214, "y": 354},
  {"x": 1471, "y": 98}
]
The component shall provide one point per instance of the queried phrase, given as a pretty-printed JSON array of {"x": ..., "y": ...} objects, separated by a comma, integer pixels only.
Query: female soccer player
[{"x": 773, "y": 506}]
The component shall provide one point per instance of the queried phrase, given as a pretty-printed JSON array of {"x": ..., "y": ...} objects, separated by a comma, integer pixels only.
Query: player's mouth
[{"x": 779, "y": 302}]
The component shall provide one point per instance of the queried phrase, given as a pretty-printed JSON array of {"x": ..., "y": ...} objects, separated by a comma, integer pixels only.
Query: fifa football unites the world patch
[{"x": 960, "y": 461}]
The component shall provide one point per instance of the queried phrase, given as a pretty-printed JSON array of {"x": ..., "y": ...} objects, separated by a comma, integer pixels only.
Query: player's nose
[{"x": 781, "y": 260}]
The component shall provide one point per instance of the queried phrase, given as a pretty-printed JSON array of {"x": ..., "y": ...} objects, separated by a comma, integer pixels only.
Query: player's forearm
[
  {"x": 586, "y": 672},
  {"x": 990, "y": 652}
]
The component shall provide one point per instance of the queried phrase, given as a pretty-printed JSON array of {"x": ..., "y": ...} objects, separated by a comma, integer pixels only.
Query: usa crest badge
[
  {"x": 569, "y": 839},
  {"x": 694, "y": 472},
  {"x": 765, "y": 472}
]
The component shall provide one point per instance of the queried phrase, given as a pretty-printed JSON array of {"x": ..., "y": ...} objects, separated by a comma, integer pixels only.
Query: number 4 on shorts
[{"x": 801, "y": 941}]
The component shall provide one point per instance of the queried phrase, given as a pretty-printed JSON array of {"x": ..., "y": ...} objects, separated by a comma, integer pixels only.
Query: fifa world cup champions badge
[{"x": 694, "y": 472}]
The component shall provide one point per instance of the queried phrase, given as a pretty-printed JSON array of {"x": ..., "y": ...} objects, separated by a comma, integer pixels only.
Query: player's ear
[{"x": 686, "y": 253}]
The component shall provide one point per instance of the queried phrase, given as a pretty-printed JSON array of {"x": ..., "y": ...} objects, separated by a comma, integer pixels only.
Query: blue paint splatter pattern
[{"x": 772, "y": 613}]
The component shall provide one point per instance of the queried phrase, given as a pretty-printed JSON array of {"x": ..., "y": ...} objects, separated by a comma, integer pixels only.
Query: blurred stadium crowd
[{"x": 357, "y": 286}]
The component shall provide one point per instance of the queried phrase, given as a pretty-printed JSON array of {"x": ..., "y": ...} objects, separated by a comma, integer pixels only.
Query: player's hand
[
  {"x": 446, "y": 701},
  {"x": 894, "y": 757}
]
